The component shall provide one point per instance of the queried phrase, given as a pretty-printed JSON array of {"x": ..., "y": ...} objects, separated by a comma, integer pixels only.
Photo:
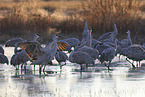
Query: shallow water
[{"x": 122, "y": 81}]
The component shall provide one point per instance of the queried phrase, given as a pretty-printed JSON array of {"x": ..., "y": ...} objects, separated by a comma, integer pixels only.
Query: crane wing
[
  {"x": 61, "y": 45},
  {"x": 11, "y": 42},
  {"x": 33, "y": 49}
]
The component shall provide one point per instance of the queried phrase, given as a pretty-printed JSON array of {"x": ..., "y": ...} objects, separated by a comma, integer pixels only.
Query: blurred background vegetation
[{"x": 23, "y": 18}]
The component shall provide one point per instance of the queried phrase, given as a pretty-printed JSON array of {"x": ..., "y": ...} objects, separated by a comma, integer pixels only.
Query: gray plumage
[
  {"x": 101, "y": 47},
  {"x": 90, "y": 51},
  {"x": 20, "y": 57},
  {"x": 107, "y": 35},
  {"x": 107, "y": 43},
  {"x": 42, "y": 56},
  {"x": 89, "y": 38},
  {"x": 73, "y": 42},
  {"x": 85, "y": 32},
  {"x": 134, "y": 52},
  {"x": 94, "y": 43},
  {"x": 108, "y": 54},
  {"x": 125, "y": 42},
  {"x": 3, "y": 59},
  {"x": 61, "y": 57},
  {"x": 81, "y": 58},
  {"x": 143, "y": 45},
  {"x": 11, "y": 42},
  {"x": 1, "y": 50},
  {"x": 111, "y": 39}
]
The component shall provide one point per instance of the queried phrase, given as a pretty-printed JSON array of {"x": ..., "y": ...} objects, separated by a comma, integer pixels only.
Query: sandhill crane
[
  {"x": 108, "y": 54},
  {"x": 89, "y": 38},
  {"x": 106, "y": 44},
  {"x": 86, "y": 47},
  {"x": 107, "y": 35},
  {"x": 134, "y": 52},
  {"x": 19, "y": 57},
  {"x": 85, "y": 32},
  {"x": 90, "y": 51},
  {"x": 3, "y": 59},
  {"x": 11, "y": 42},
  {"x": 81, "y": 58},
  {"x": 61, "y": 57},
  {"x": 94, "y": 43},
  {"x": 42, "y": 56},
  {"x": 1, "y": 50},
  {"x": 73, "y": 42},
  {"x": 125, "y": 42}
]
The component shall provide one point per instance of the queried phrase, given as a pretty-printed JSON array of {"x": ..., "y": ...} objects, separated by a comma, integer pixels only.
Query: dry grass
[{"x": 68, "y": 16}]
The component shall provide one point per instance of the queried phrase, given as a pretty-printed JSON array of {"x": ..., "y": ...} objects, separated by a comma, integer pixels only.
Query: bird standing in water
[{"x": 42, "y": 56}]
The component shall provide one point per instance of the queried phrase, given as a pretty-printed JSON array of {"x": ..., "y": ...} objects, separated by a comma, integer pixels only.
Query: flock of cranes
[{"x": 85, "y": 51}]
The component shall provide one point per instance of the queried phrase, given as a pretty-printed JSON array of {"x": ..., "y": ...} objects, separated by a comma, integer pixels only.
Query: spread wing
[
  {"x": 33, "y": 49},
  {"x": 61, "y": 45}
]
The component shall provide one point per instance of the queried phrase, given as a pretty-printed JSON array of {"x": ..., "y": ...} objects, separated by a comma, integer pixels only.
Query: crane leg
[
  {"x": 61, "y": 65},
  {"x": 25, "y": 67},
  {"x": 34, "y": 67},
  {"x": 40, "y": 68},
  {"x": 107, "y": 66},
  {"x": 119, "y": 57},
  {"x": 86, "y": 67},
  {"x": 44, "y": 69},
  {"x": 21, "y": 66},
  {"x": 139, "y": 63},
  {"x": 81, "y": 67},
  {"x": 130, "y": 63},
  {"x": 17, "y": 67}
]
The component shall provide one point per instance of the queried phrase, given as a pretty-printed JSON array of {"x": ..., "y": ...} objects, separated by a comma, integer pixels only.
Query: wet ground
[{"x": 122, "y": 81}]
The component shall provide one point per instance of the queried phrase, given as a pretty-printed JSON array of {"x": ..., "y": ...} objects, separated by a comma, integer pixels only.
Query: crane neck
[
  {"x": 116, "y": 45},
  {"x": 15, "y": 50},
  {"x": 35, "y": 38},
  {"x": 85, "y": 32},
  {"x": 115, "y": 30},
  {"x": 89, "y": 39},
  {"x": 129, "y": 38}
]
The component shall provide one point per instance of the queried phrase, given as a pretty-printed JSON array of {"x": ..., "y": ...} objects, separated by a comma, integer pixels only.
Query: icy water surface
[{"x": 122, "y": 81}]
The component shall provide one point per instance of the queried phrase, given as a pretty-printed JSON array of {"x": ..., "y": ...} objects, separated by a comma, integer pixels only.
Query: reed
[{"x": 25, "y": 18}]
